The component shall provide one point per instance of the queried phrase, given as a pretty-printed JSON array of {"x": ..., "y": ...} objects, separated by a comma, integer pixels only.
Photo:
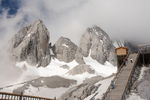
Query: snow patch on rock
[
  {"x": 104, "y": 70},
  {"x": 134, "y": 96}
]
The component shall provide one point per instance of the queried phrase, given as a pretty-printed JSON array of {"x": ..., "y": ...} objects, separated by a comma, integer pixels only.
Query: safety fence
[{"x": 12, "y": 96}]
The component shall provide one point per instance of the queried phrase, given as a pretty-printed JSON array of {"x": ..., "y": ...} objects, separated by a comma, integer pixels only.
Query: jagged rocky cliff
[
  {"x": 31, "y": 44},
  {"x": 97, "y": 44}
]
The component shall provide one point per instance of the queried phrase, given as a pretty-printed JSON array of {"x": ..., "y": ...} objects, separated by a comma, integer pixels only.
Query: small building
[{"x": 121, "y": 53}]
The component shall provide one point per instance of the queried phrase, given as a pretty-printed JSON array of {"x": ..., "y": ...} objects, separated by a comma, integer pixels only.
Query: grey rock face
[
  {"x": 31, "y": 44},
  {"x": 65, "y": 49},
  {"x": 143, "y": 87},
  {"x": 89, "y": 87},
  {"x": 49, "y": 82},
  {"x": 80, "y": 69},
  {"x": 93, "y": 80},
  {"x": 79, "y": 56},
  {"x": 83, "y": 90},
  {"x": 112, "y": 58},
  {"x": 52, "y": 82},
  {"x": 80, "y": 92},
  {"x": 96, "y": 43}
]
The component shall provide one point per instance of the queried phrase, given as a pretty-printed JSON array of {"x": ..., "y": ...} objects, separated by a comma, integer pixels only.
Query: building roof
[{"x": 121, "y": 48}]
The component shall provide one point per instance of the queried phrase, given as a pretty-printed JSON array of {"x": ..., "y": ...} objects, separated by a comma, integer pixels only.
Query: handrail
[
  {"x": 12, "y": 96},
  {"x": 126, "y": 87},
  {"x": 109, "y": 88}
]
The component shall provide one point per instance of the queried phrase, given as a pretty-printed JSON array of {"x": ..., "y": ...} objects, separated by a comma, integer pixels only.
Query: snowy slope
[
  {"x": 102, "y": 89},
  {"x": 54, "y": 68},
  {"x": 102, "y": 70}
]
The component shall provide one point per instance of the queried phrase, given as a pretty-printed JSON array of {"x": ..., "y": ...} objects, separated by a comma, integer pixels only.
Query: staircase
[{"x": 122, "y": 80}]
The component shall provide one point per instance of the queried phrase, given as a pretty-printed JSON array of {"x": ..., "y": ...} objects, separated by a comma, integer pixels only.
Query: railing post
[
  {"x": 20, "y": 98},
  {"x": 2, "y": 96},
  {"x": 11, "y": 97}
]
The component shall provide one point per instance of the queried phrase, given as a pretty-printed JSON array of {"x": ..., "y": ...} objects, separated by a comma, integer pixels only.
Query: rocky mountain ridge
[
  {"x": 64, "y": 65},
  {"x": 32, "y": 45}
]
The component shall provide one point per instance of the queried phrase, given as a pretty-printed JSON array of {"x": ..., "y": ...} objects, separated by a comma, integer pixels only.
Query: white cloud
[
  {"x": 123, "y": 19},
  {"x": 119, "y": 18}
]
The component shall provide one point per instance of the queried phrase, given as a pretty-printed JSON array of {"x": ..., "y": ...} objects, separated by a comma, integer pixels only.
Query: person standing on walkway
[
  {"x": 131, "y": 60},
  {"x": 112, "y": 84},
  {"x": 125, "y": 61}
]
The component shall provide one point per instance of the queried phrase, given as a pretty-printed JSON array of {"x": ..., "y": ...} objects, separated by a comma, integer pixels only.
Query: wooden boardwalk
[{"x": 122, "y": 80}]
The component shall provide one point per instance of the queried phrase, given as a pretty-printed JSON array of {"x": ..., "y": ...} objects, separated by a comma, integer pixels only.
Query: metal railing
[
  {"x": 116, "y": 76},
  {"x": 12, "y": 96},
  {"x": 130, "y": 78}
]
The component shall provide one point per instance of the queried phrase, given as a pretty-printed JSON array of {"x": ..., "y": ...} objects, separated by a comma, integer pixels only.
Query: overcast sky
[{"x": 121, "y": 19}]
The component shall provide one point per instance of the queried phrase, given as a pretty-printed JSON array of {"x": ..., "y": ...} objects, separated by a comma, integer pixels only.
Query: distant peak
[
  {"x": 95, "y": 28},
  {"x": 64, "y": 38},
  {"x": 38, "y": 24},
  {"x": 39, "y": 21}
]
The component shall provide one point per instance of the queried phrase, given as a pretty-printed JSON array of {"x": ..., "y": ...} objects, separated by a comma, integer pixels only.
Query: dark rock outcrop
[
  {"x": 49, "y": 82},
  {"x": 65, "y": 67},
  {"x": 65, "y": 49}
]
